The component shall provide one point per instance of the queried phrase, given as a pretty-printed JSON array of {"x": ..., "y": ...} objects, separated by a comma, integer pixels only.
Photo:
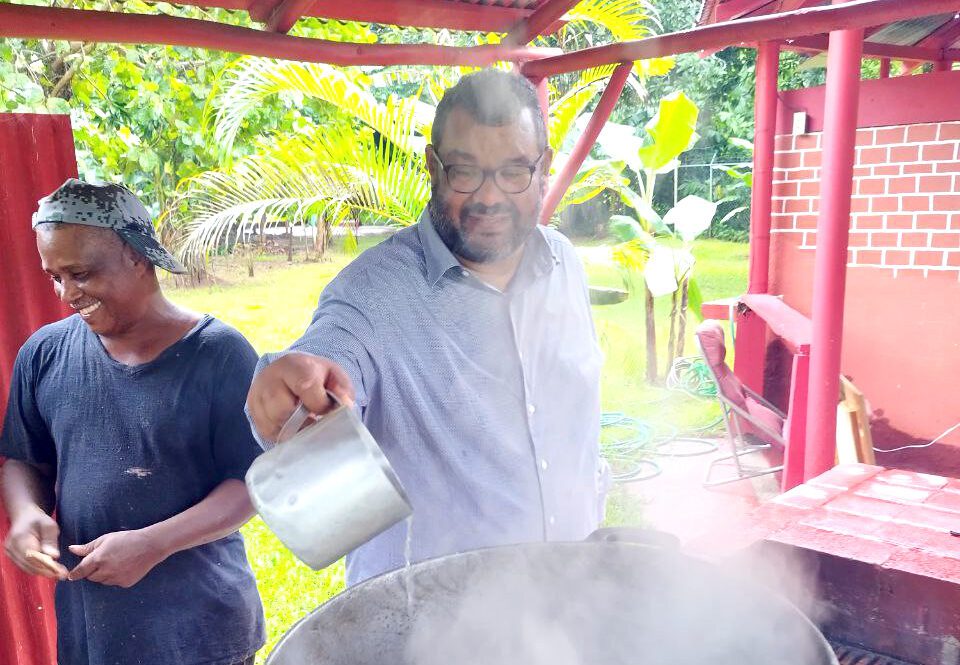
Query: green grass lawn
[{"x": 273, "y": 308}]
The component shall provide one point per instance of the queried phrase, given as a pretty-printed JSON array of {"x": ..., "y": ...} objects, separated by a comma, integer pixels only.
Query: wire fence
[{"x": 723, "y": 182}]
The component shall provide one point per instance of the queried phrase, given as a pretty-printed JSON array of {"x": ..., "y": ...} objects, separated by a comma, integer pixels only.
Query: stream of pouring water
[{"x": 407, "y": 558}]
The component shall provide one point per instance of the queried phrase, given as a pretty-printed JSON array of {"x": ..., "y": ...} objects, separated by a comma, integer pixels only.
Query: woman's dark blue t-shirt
[{"x": 133, "y": 446}]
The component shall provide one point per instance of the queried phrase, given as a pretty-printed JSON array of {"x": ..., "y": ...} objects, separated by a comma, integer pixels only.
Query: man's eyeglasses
[{"x": 511, "y": 179}]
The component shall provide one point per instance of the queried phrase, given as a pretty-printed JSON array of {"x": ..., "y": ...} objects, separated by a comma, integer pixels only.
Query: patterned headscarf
[{"x": 110, "y": 207}]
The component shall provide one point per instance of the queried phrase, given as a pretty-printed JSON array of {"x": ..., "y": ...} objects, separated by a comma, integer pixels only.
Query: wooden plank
[
  {"x": 848, "y": 446},
  {"x": 856, "y": 404}
]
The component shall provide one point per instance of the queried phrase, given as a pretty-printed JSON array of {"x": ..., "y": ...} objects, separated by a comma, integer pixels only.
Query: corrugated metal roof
[
  {"x": 908, "y": 33},
  {"x": 901, "y": 33}
]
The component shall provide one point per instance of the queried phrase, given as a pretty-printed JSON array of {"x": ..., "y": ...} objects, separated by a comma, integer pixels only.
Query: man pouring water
[{"x": 467, "y": 345}]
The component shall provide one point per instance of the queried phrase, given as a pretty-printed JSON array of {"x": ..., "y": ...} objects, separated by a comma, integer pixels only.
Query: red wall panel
[
  {"x": 901, "y": 100},
  {"x": 36, "y": 156}
]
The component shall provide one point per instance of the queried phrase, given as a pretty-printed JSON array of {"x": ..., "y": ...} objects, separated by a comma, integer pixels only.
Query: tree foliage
[{"x": 366, "y": 162}]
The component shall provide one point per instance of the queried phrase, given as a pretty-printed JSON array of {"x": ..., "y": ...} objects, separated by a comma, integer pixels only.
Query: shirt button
[
  {"x": 465, "y": 273},
  {"x": 543, "y": 464},
  {"x": 531, "y": 409},
  {"x": 552, "y": 520}
]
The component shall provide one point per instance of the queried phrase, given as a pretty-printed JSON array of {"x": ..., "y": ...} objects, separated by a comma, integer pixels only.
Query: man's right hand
[
  {"x": 296, "y": 377},
  {"x": 32, "y": 544}
]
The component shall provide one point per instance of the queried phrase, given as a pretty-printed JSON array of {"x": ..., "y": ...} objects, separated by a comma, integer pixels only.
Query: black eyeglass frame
[{"x": 490, "y": 172}]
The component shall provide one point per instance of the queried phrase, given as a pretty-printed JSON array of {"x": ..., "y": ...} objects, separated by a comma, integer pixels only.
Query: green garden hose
[{"x": 629, "y": 443}]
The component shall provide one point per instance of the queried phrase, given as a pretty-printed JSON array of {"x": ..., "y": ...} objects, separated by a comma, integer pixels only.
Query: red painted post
[
  {"x": 761, "y": 201},
  {"x": 568, "y": 171},
  {"x": 750, "y": 344},
  {"x": 796, "y": 426},
  {"x": 830, "y": 264},
  {"x": 884, "y": 68},
  {"x": 543, "y": 95},
  {"x": 942, "y": 66}
]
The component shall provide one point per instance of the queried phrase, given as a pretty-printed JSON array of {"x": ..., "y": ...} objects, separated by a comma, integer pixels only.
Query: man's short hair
[{"x": 493, "y": 98}]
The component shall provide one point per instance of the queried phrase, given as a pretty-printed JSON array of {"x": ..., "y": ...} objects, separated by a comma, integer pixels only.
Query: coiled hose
[{"x": 629, "y": 444}]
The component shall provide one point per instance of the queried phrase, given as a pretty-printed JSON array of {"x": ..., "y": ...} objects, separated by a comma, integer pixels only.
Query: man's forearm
[
  {"x": 25, "y": 487},
  {"x": 222, "y": 512}
]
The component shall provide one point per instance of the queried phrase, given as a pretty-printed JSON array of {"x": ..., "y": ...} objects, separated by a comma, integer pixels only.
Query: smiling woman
[
  {"x": 145, "y": 457},
  {"x": 91, "y": 270}
]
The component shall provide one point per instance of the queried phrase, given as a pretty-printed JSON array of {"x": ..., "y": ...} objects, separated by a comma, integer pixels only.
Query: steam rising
[{"x": 561, "y": 604}]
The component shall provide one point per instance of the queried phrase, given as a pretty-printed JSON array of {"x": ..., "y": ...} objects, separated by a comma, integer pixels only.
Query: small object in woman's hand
[
  {"x": 955, "y": 533},
  {"x": 48, "y": 562}
]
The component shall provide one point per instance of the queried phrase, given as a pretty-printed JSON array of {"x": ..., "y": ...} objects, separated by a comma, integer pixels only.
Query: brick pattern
[
  {"x": 888, "y": 517},
  {"x": 905, "y": 210},
  {"x": 888, "y": 567}
]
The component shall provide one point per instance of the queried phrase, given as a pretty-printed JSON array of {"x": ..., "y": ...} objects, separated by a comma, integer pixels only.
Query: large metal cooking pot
[{"x": 590, "y": 603}]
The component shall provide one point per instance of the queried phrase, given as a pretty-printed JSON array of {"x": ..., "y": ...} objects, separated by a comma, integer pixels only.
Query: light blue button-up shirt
[{"x": 486, "y": 403}]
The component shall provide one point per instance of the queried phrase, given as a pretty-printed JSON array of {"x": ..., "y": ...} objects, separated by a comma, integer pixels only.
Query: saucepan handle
[
  {"x": 635, "y": 535},
  {"x": 297, "y": 419}
]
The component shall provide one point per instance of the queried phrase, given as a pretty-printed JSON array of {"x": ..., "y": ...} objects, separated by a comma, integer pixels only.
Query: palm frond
[
  {"x": 315, "y": 174},
  {"x": 565, "y": 109},
  {"x": 252, "y": 80},
  {"x": 593, "y": 178},
  {"x": 623, "y": 19}
]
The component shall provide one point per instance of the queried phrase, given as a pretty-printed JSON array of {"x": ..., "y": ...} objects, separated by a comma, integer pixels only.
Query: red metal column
[
  {"x": 884, "y": 68},
  {"x": 750, "y": 344},
  {"x": 833, "y": 229},
  {"x": 761, "y": 200},
  {"x": 543, "y": 94},
  {"x": 586, "y": 141},
  {"x": 794, "y": 457},
  {"x": 942, "y": 66}
]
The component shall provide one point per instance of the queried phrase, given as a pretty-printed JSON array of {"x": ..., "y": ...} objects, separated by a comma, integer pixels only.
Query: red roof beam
[
  {"x": 31, "y": 22},
  {"x": 790, "y": 25},
  {"x": 568, "y": 172},
  {"x": 870, "y": 49},
  {"x": 418, "y": 14},
  {"x": 540, "y": 21}
]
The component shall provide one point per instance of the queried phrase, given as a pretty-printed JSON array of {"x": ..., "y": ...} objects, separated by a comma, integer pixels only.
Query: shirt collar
[
  {"x": 539, "y": 259},
  {"x": 439, "y": 259}
]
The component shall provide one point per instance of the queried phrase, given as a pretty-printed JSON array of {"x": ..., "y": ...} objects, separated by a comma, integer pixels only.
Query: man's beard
[{"x": 457, "y": 242}]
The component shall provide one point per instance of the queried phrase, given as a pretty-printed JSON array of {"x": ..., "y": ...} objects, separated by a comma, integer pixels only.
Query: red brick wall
[
  {"x": 902, "y": 319},
  {"x": 905, "y": 212}
]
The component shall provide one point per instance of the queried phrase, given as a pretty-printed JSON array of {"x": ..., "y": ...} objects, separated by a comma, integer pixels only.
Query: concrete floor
[{"x": 677, "y": 502}]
